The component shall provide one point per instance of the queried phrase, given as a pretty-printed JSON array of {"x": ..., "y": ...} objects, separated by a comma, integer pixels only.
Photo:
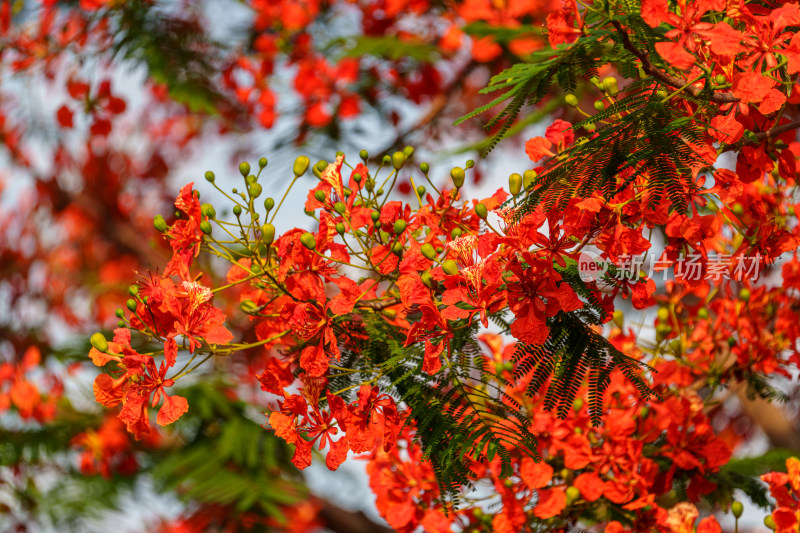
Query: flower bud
[
  {"x": 528, "y": 178},
  {"x": 357, "y": 177},
  {"x": 399, "y": 226},
  {"x": 339, "y": 207},
  {"x": 267, "y": 234},
  {"x": 119, "y": 312},
  {"x": 379, "y": 192},
  {"x": 250, "y": 179},
  {"x": 702, "y": 313},
  {"x": 663, "y": 314},
  {"x": 428, "y": 251},
  {"x": 456, "y": 233},
  {"x": 450, "y": 267},
  {"x": 133, "y": 290},
  {"x": 248, "y": 306},
  {"x": 424, "y": 167},
  {"x": 207, "y": 210},
  {"x": 481, "y": 210},
  {"x": 397, "y": 249},
  {"x": 470, "y": 163},
  {"x": 599, "y": 105},
  {"x": 244, "y": 168},
  {"x": 514, "y": 184},
  {"x": 572, "y": 494},
  {"x": 387, "y": 160},
  {"x": 744, "y": 294},
  {"x": 262, "y": 162},
  {"x": 300, "y": 165},
  {"x": 458, "y": 175},
  {"x": 131, "y": 305},
  {"x": 421, "y": 191},
  {"x": 610, "y": 85},
  {"x": 375, "y": 215},
  {"x": 308, "y": 240},
  {"x": 398, "y": 160},
  {"x": 364, "y": 155},
  {"x": 99, "y": 341},
  {"x": 320, "y": 195},
  {"x": 237, "y": 210},
  {"x": 737, "y": 508},
  {"x": 408, "y": 151},
  {"x": 254, "y": 190},
  {"x": 720, "y": 79},
  {"x": 577, "y": 405},
  {"x": 571, "y": 100},
  {"x": 159, "y": 223},
  {"x": 340, "y": 228},
  {"x": 427, "y": 279},
  {"x": 205, "y": 227},
  {"x": 210, "y": 177},
  {"x": 769, "y": 522}
]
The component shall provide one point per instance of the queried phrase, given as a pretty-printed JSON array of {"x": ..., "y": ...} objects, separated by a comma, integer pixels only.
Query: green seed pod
[
  {"x": 308, "y": 240},
  {"x": 357, "y": 178},
  {"x": 244, "y": 168},
  {"x": 300, "y": 165},
  {"x": 398, "y": 160},
  {"x": 599, "y": 105},
  {"x": 408, "y": 151},
  {"x": 397, "y": 249},
  {"x": 421, "y": 191},
  {"x": 481, "y": 210},
  {"x": 427, "y": 279},
  {"x": 721, "y": 80},
  {"x": 320, "y": 196},
  {"x": 269, "y": 203},
  {"x": 339, "y": 207},
  {"x": 399, "y": 226},
  {"x": 205, "y": 227},
  {"x": 262, "y": 162},
  {"x": 267, "y": 234},
  {"x": 340, "y": 228},
  {"x": 572, "y": 494},
  {"x": 375, "y": 215},
  {"x": 737, "y": 509},
  {"x": 456, "y": 233},
  {"x": 571, "y": 100},
  {"x": 159, "y": 223},
  {"x": 210, "y": 177},
  {"x": 131, "y": 305},
  {"x": 424, "y": 167},
  {"x": 119, "y": 312},
  {"x": 364, "y": 155},
  {"x": 450, "y": 267},
  {"x": 387, "y": 160},
  {"x": 515, "y": 184},
  {"x": 428, "y": 251},
  {"x": 99, "y": 341},
  {"x": 744, "y": 294},
  {"x": 207, "y": 210},
  {"x": 528, "y": 177},
  {"x": 458, "y": 175},
  {"x": 237, "y": 210}
]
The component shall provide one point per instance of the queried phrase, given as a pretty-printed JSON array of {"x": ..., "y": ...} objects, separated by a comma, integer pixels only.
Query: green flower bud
[
  {"x": 308, "y": 240},
  {"x": 572, "y": 494},
  {"x": 408, "y": 151},
  {"x": 262, "y": 162},
  {"x": 385, "y": 236},
  {"x": 300, "y": 165},
  {"x": 450, "y": 267},
  {"x": 339, "y": 153},
  {"x": 375, "y": 215},
  {"x": 250, "y": 179},
  {"x": 340, "y": 228},
  {"x": 387, "y": 160},
  {"x": 528, "y": 177},
  {"x": 159, "y": 223},
  {"x": 590, "y": 127},
  {"x": 237, "y": 210},
  {"x": 470, "y": 163},
  {"x": 610, "y": 85},
  {"x": 378, "y": 224},
  {"x": 269, "y": 203},
  {"x": 379, "y": 192},
  {"x": 663, "y": 314},
  {"x": 369, "y": 185},
  {"x": 205, "y": 227},
  {"x": 364, "y": 155},
  {"x": 267, "y": 234},
  {"x": 120, "y": 323},
  {"x": 577, "y": 405},
  {"x": 481, "y": 211},
  {"x": 458, "y": 175},
  {"x": 456, "y": 233},
  {"x": 599, "y": 105},
  {"x": 321, "y": 165},
  {"x": 320, "y": 196},
  {"x": 731, "y": 341},
  {"x": 427, "y": 279},
  {"x": 744, "y": 294},
  {"x": 702, "y": 313},
  {"x": 428, "y": 251},
  {"x": 399, "y": 226},
  {"x": 207, "y": 210},
  {"x": 514, "y": 184},
  {"x": 210, "y": 177},
  {"x": 618, "y": 317},
  {"x": 769, "y": 522},
  {"x": 339, "y": 207},
  {"x": 571, "y": 100},
  {"x": 424, "y": 167},
  {"x": 421, "y": 191},
  {"x": 244, "y": 168},
  {"x": 99, "y": 341},
  {"x": 357, "y": 178},
  {"x": 248, "y": 306},
  {"x": 398, "y": 160},
  {"x": 397, "y": 249},
  {"x": 133, "y": 290},
  {"x": 737, "y": 508},
  {"x": 119, "y": 312},
  {"x": 131, "y": 305},
  {"x": 720, "y": 79}
]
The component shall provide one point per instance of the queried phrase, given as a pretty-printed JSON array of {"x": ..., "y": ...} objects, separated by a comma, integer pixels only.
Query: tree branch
[{"x": 762, "y": 135}]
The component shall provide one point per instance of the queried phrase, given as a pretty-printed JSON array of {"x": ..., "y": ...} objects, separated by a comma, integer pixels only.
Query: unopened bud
[
  {"x": 340, "y": 228},
  {"x": 159, "y": 223},
  {"x": 364, "y": 155},
  {"x": 339, "y": 207},
  {"x": 244, "y": 168},
  {"x": 205, "y": 227},
  {"x": 515, "y": 183},
  {"x": 528, "y": 177},
  {"x": 398, "y": 160},
  {"x": 428, "y": 251},
  {"x": 210, "y": 177},
  {"x": 300, "y": 165},
  {"x": 99, "y": 341},
  {"x": 399, "y": 226},
  {"x": 207, "y": 210},
  {"x": 424, "y": 167},
  {"x": 481, "y": 210},
  {"x": 319, "y": 196},
  {"x": 262, "y": 162},
  {"x": 450, "y": 267},
  {"x": 267, "y": 234},
  {"x": 308, "y": 240},
  {"x": 458, "y": 175},
  {"x": 737, "y": 508}
]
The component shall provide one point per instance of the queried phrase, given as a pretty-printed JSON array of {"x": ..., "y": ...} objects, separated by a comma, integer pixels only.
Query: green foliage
[
  {"x": 573, "y": 353},
  {"x": 388, "y": 47}
]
